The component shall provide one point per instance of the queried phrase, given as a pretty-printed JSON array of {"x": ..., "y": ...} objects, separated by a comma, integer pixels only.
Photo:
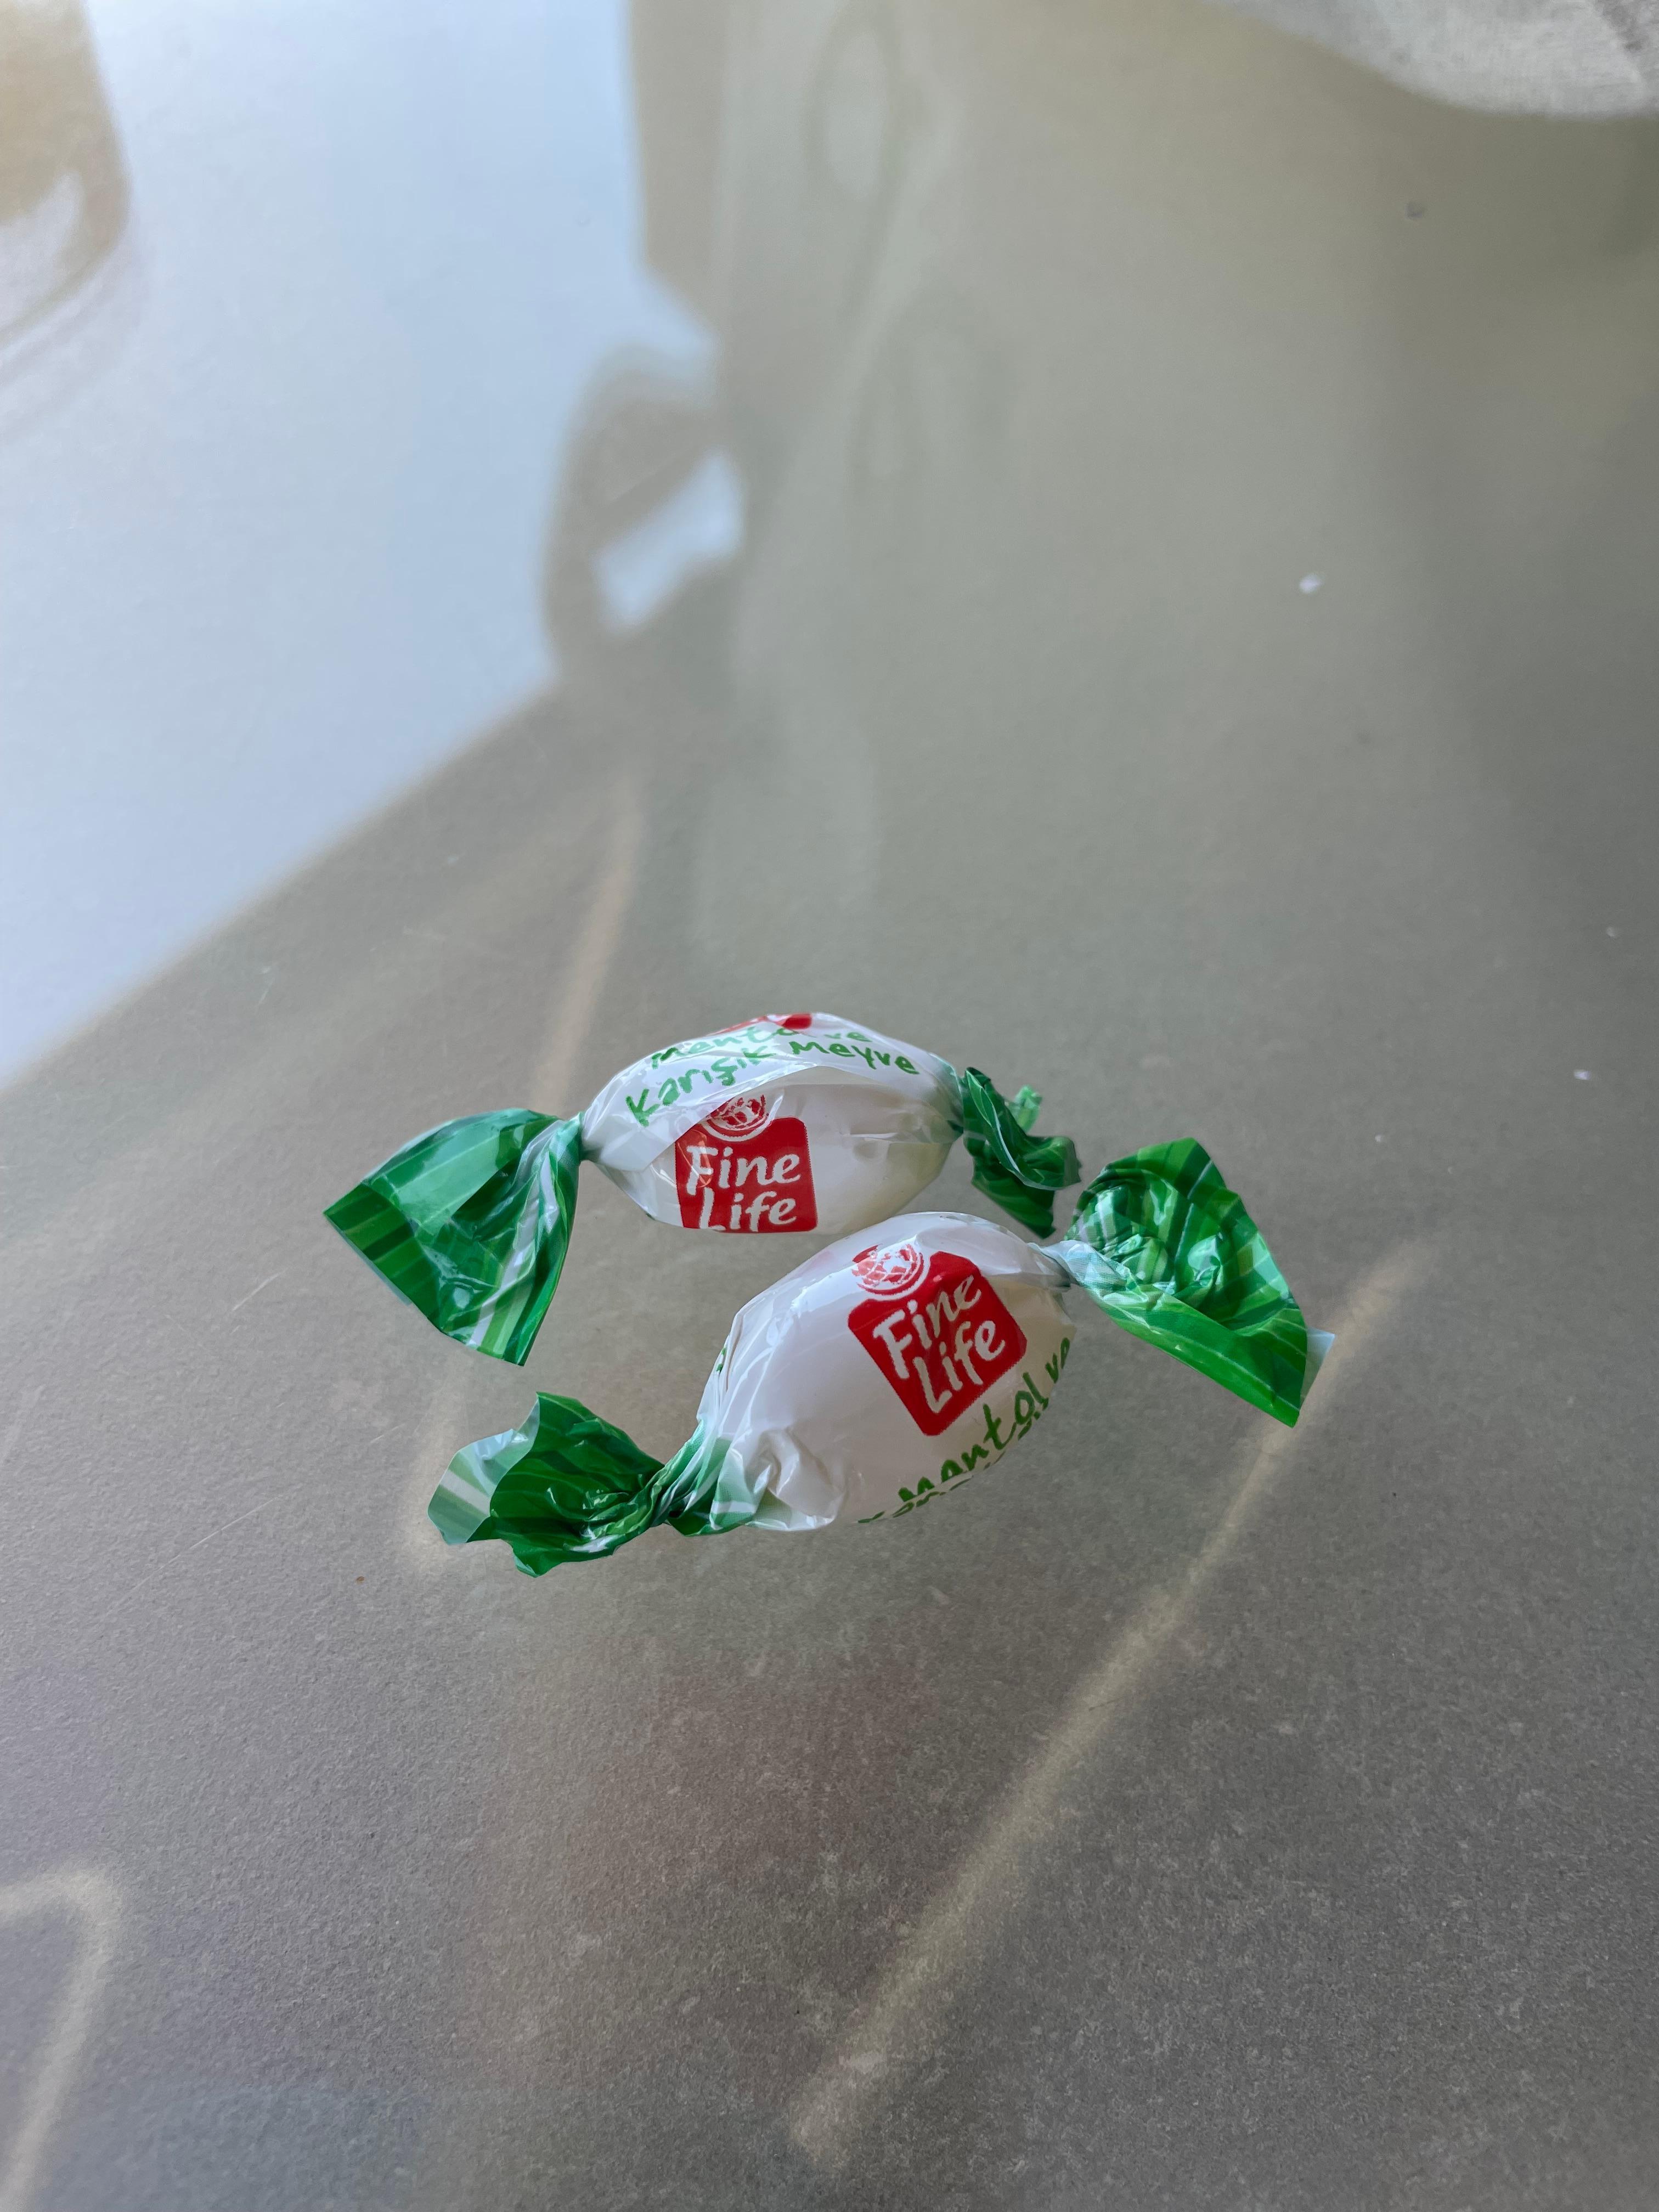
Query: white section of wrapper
[
  {"x": 880, "y": 1118},
  {"x": 813, "y": 1414},
  {"x": 869, "y": 1152}
]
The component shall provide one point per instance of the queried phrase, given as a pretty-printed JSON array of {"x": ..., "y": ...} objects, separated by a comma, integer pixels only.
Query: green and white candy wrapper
[
  {"x": 788, "y": 1123},
  {"x": 885, "y": 1373}
]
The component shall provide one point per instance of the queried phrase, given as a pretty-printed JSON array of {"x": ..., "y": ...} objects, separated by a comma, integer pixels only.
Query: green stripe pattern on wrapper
[
  {"x": 469, "y": 1223},
  {"x": 1168, "y": 1250},
  {"x": 1017, "y": 1171},
  {"x": 567, "y": 1486}
]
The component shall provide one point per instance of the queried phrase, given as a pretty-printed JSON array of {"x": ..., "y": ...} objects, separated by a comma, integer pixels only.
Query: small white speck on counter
[
  {"x": 1309, "y": 584},
  {"x": 1580, "y": 1075}
]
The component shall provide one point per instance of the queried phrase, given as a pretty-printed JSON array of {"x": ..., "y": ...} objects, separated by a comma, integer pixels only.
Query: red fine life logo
[
  {"x": 940, "y": 1335},
  {"x": 736, "y": 1171}
]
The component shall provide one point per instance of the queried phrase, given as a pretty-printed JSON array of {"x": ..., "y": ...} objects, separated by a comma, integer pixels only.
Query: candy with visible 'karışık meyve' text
[
  {"x": 786, "y": 1123},
  {"x": 882, "y": 1375}
]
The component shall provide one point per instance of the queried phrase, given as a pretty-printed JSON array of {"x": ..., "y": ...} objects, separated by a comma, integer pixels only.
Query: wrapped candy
[
  {"x": 786, "y": 1123},
  {"x": 882, "y": 1375}
]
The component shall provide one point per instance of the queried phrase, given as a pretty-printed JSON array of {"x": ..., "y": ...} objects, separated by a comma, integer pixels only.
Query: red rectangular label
[
  {"x": 750, "y": 1184},
  {"x": 942, "y": 1342}
]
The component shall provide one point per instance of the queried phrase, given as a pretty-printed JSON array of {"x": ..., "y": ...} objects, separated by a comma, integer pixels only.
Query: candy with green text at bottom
[
  {"x": 786, "y": 1123},
  {"x": 892, "y": 1369}
]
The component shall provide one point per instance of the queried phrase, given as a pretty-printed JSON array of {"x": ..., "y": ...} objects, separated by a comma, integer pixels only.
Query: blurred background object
[
  {"x": 273, "y": 558},
  {"x": 1517, "y": 56},
  {"x": 63, "y": 200}
]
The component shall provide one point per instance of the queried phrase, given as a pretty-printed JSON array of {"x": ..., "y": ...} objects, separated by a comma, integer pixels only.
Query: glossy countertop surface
[{"x": 1105, "y": 539}]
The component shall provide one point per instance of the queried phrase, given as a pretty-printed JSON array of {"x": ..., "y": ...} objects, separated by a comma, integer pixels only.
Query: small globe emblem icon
[
  {"x": 741, "y": 1117},
  {"x": 890, "y": 1270}
]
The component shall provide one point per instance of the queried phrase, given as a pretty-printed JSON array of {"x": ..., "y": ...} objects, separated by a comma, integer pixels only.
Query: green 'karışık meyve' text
[{"x": 728, "y": 1062}]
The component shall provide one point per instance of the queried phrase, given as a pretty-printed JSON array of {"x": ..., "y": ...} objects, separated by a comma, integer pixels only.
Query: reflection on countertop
[{"x": 271, "y": 557}]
